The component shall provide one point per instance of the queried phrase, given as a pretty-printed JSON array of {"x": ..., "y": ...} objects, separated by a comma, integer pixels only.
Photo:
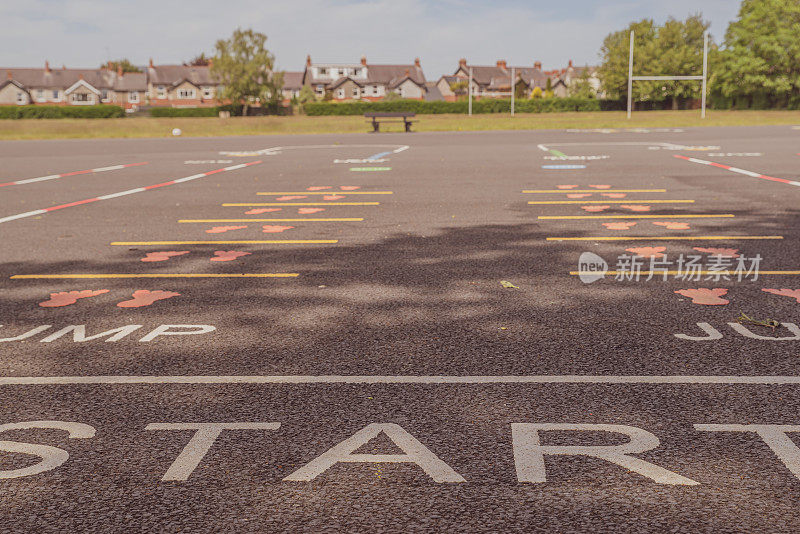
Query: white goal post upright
[{"x": 703, "y": 78}]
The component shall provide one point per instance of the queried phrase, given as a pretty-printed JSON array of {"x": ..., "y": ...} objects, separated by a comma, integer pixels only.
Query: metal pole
[
  {"x": 630, "y": 78},
  {"x": 470, "y": 91},
  {"x": 513, "y": 90},
  {"x": 705, "y": 75}
]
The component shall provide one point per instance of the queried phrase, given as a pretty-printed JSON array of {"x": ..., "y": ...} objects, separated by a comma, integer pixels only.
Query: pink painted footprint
[
  {"x": 635, "y": 207},
  {"x": 65, "y": 298},
  {"x": 614, "y": 195},
  {"x": 291, "y": 197},
  {"x": 333, "y": 197},
  {"x": 791, "y": 293},
  {"x": 307, "y": 211},
  {"x": 318, "y": 187},
  {"x": 706, "y": 297},
  {"x": 563, "y": 186},
  {"x": 601, "y": 186},
  {"x": 256, "y": 211},
  {"x": 349, "y": 187},
  {"x": 228, "y": 255},
  {"x": 223, "y": 229},
  {"x": 595, "y": 209},
  {"x": 163, "y": 256},
  {"x": 144, "y": 297},
  {"x": 578, "y": 195},
  {"x": 673, "y": 225},
  {"x": 725, "y": 252},
  {"x": 275, "y": 228},
  {"x": 619, "y": 225},
  {"x": 646, "y": 252}
]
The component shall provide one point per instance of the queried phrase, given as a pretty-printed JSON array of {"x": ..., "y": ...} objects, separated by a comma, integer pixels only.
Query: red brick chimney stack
[
  {"x": 570, "y": 63},
  {"x": 151, "y": 63},
  {"x": 501, "y": 63},
  {"x": 364, "y": 60},
  {"x": 416, "y": 62},
  {"x": 462, "y": 62},
  {"x": 537, "y": 65},
  {"x": 119, "y": 71},
  {"x": 308, "y": 60},
  {"x": 9, "y": 75},
  {"x": 47, "y": 66}
]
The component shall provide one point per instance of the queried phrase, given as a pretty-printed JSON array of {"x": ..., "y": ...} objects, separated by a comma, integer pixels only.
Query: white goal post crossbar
[{"x": 703, "y": 78}]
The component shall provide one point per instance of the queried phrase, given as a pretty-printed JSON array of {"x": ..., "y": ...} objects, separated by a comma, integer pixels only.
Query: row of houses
[{"x": 195, "y": 86}]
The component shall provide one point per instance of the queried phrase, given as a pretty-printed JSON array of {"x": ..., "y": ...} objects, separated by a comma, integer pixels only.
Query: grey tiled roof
[
  {"x": 175, "y": 74},
  {"x": 292, "y": 80},
  {"x": 64, "y": 78}
]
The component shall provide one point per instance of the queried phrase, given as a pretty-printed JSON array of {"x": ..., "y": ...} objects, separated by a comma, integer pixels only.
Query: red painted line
[
  {"x": 682, "y": 157},
  {"x": 159, "y": 185},
  {"x": 740, "y": 171},
  {"x": 73, "y": 173},
  {"x": 209, "y": 173},
  {"x": 135, "y": 164},
  {"x": 721, "y": 166},
  {"x": 77, "y": 203},
  {"x": 782, "y": 180}
]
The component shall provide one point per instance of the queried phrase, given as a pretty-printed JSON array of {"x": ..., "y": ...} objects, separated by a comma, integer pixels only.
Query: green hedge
[
  {"x": 488, "y": 105},
  {"x": 104, "y": 111},
  {"x": 235, "y": 109}
]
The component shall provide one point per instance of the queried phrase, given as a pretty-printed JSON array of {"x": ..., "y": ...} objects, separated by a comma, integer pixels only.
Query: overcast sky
[{"x": 85, "y": 33}]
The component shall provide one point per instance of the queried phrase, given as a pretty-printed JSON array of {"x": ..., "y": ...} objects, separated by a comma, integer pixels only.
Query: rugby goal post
[{"x": 703, "y": 78}]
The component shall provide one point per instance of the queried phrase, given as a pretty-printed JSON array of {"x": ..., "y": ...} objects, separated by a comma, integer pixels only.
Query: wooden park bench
[{"x": 399, "y": 116}]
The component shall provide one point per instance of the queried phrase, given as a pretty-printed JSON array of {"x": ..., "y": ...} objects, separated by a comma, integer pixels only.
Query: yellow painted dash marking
[
  {"x": 248, "y": 242},
  {"x": 629, "y": 201},
  {"x": 247, "y": 204},
  {"x": 157, "y": 275},
  {"x": 353, "y": 219},
  {"x": 542, "y": 191},
  {"x": 325, "y": 193},
  {"x": 669, "y": 238},
  {"x": 677, "y": 273},
  {"x": 688, "y": 216}
]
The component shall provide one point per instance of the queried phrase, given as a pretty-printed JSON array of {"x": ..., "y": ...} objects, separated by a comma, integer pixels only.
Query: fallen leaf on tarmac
[
  {"x": 508, "y": 285},
  {"x": 770, "y": 323}
]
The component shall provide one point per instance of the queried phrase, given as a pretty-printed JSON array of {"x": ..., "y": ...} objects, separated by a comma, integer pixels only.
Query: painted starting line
[
  {"x": 74, "y": 173},
  {"x": 278, "y": 193},
  {"x": 689, "y": 216},
  {"x": 248, "y": 204},
  {"x": 351, "y": 219},
  {"x": 128, "y": 192},
  {"x": 739, "y": 171},
  {"x": 542, "y": 191},
  {"x": 628, "y": 201},
  {"x": 403, "y": 379}
]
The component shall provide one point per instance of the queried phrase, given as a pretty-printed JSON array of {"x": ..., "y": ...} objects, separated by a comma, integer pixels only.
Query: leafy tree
[
  {"x": 306, "y": 95},
  {"x": 676, "y": 48},
  {"x": 392, "y": 96},
  {"x": 537, "y": 92},
  {"x": 126, "y": 65},
  {"x": 548, "y": 86},
  {"x": 519, "y": 90},
  {"x": 199, "y": 60},
  {"x": 761, "y": 59},
  {"x": 245, "y": 69},
  {"x": 582, "y": 87},
  {"x": 459, "y": 88}
]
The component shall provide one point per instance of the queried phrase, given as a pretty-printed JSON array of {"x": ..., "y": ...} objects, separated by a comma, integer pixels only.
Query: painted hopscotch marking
[
  {"x": 669, "y": 238},
  {"x": 128, "y": 192},
  {"x": 331, "y": 192},
  {"x": 352, "y": 219},
  {"x": 689, "y": 216},
  {"x": 403, "y": 379},
  {"x": 246, "y": 204},
  {"x": 561, "y": 191},
  {"x": 739, "y": 171},
  {"x": 628, "y": 201},
  {"x": 153, "y": 275},
  {"x": 246, "y": 242},
  {"x": 74, "y": 173}
]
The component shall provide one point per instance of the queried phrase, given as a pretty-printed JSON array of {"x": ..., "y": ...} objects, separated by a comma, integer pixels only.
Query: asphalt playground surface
[{"x": 358, "y": 312}]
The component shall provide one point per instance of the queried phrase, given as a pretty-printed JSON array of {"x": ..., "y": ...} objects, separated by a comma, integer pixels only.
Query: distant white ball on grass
[{"x": 176, "y": 132}]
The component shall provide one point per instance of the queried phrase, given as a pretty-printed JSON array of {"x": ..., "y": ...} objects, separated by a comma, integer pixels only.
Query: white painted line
[
  {"x": 403, "y": 379},
  {"x": 74, "y": 173}
]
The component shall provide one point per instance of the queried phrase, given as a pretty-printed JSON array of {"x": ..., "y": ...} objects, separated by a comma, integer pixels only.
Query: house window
[
  {"x": 40, "y": 95},
  {"x": 104, "y": 95},
  {"x": 323, "y": 71},
  {"x": 56, "y": 95},
  {"x": 340, "y": 93},
  {"x": 133, "y": 96},
  {"x": 80, "y": 97},
  {"x": 375, "y": 90},
  {"x": 161, "y": 92},
  {"x": 206, "y": 92},
  {"x": 355, "y": 92},
  {"x": 186, "y": 93},
  {"x": 21, "y": 98}
]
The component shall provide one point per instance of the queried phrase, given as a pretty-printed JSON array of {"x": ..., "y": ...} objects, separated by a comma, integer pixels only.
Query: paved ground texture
[{"x": 398, "y": 332}]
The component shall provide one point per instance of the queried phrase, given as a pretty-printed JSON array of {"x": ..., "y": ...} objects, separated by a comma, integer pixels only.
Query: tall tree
[
  {"x": 761, "y": 59},
  {"x": 245, "y": 69},
  {"x": 199, "y": 60}
]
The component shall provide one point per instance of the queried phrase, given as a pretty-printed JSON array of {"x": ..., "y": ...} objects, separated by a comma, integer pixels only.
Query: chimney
[
  {"x": 80, "y": 76},
  {"x": 151, "y": 63},
  {"x": 63, "y": 67},
  {"x": 537, "y": 65},
  {"x": 364, "y": 60},
  {"x": 416, "y": 62},
  {"x": 308, "y": 60},
  {"x": 10, "y": 76},
  {"x": 119, "y": 71},
  {"x": 570, "y": 63},
  {"x": 47, "y": 66},
  {"x": 462, "y": 62},
  {"x": 210, "y": 62},
  {"x": 408, "y": 72},
  {"x": 501, "y": 63}
]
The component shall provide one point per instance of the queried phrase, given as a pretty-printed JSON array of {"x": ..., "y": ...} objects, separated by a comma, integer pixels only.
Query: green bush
[
  {"x": 184, "y": 112},
  {"x": 104, "y": 111},
  {"x": 488, "y": 105},
  {"x": 235, "y": 109}
]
